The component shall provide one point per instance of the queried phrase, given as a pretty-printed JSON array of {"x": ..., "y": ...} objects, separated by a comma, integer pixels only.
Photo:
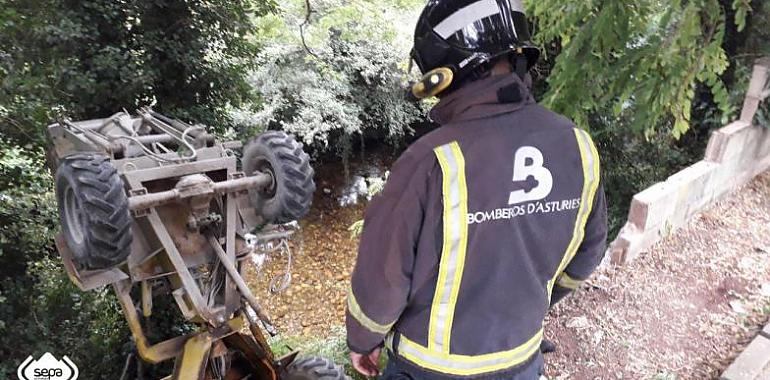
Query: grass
[{"x": 334, "y": 347}]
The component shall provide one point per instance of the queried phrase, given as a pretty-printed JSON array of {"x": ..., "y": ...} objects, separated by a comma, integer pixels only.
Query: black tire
[
  {"x": 314, "y": 368},
  {"x": 93, "y": 210},
  {"x": 291, "y": 193}
]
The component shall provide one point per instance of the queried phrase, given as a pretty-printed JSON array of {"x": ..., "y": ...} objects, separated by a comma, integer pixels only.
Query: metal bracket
[
  {"x": 146, "y": 299},
  {"x": 187, "y": 312}
]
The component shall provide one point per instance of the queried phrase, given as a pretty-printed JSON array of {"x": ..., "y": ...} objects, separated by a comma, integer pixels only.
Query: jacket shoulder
[{"x": 549, "y": 118}]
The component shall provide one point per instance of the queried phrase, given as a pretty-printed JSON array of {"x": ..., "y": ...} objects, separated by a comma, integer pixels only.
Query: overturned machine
[{"x": 156, "y": 207}]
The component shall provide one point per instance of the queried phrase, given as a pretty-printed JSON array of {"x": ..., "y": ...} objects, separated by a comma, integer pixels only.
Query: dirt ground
[
  {"x": 323, "y": 258},
  {"x": 683, "y": 310}
]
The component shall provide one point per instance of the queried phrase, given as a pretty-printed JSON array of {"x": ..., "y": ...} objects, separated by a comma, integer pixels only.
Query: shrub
[{"x": 40, "y": 309}]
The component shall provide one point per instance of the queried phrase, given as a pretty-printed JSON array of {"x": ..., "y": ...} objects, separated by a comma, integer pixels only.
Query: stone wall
[{"x": 735, "y": 154}]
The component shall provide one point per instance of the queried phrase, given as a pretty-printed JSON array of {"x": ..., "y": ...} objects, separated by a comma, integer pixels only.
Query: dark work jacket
[{"x": 481, "y": 223}]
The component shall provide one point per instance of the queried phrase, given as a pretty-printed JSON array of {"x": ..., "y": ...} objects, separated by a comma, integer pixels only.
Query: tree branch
[{"x": 306, "y": 22}]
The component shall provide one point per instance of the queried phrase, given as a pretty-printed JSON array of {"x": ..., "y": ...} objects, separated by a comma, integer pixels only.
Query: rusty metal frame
[{"x": 225, "y": 325}]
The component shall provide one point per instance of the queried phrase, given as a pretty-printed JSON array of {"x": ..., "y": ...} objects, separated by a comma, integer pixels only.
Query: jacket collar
[{"x": 480, "y": 99}]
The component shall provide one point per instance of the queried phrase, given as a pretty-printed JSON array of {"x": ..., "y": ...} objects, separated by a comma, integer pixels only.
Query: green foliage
[
  {"x": 27, "y": 209},
  {"x": 332, "y": 74},
  {"x": 52, "y": 315},
  {"x": 88, "y": 59},
  {"x": 631, "y": 163},
  {"x": 758, "y": 34},
  {"x": 40, "y": 309},
  {"x": 647, "y": 57}
]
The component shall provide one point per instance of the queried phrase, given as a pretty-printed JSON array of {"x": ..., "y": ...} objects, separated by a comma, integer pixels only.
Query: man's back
[{"x": 477, "y": 223}]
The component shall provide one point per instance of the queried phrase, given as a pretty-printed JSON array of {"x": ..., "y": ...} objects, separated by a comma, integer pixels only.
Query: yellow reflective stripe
[
  {"x": 590, "y": 162},
  {"x": 565, "y": 281},
  {"x": 389, "y": 341},
  {"x": 461, "y": 217},
  {"x": 442, "y": 272},
  {"x": 455, "y": 196},
  {"x": 467, "y": 365},
  {"x": 358, "y": 314}
]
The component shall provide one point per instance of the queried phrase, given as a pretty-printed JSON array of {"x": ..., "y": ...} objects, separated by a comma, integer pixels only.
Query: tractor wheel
[
  {"x": 314, "y": 368},
  {"x": 93, "y": 211},
  {"x": 289, "y": 196}
]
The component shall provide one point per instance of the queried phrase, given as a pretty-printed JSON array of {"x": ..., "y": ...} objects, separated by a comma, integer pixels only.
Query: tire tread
[{"x": 107, "y": 226}]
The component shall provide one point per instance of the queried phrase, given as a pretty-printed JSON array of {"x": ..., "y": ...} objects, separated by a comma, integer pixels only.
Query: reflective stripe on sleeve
[
  {"x": 363, "y": 319},
  {"x": 455, "y": 196},
  {"x": 565, "y": 281},
  {"x": 590, "y": 162}
]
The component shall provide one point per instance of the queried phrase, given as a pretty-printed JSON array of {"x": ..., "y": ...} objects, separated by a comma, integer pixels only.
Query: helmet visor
[{"x": 486, "y": 25}]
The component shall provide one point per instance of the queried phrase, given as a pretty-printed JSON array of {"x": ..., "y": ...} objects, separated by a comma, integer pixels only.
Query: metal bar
[
  {"x": 268, "y": 236},
  {"x": 176, "y": 124},
  {"x": 198, "y": 135},
  {"x": 250, "y": 315},
  {"x": 160, "y": 126},
  {"x": 107, "y": 121},
  {"x": 124, "y": 122},
  {"x": 150, "y": 139},
  {"x": 236, "y": 277},
  {"x": 145, "y": 201},
  {"x": 94, "y": 137},
  {"x": 146, "y": 299},
  {"x": 189, "y": 284},
  {"x": 140, "y": 202},
  {"x": 162, "y": 172},
  {"x": 253, "y": 353},
  {"x": 192, "y": 363},
  {"x": 152, "y": 354},
  {"x": 242, "y": 184},
  {"x": 232, "y": 301}
]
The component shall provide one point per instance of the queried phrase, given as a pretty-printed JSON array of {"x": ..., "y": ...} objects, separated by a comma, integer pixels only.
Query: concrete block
[
  {"x": 643, "y": 240},
  {"x": 705, "y": 183},
  {"x": 637, "y": 213},
  {"x": 740, "y": 144},
  {"x": 618, "y": 249},
  {"x": 729, "y": 176},
  {"x": 766, "y": 331},
  {"x": 720, "y": 140},
  {"x": 753, "y": 363},
  {"x": 693, "y": 191},
  {"x": 762, "y": 166},
  {"x": 736, "y": 153},
  {"x": 659, "y": 201},
  {"x": 763, "y": 141}
]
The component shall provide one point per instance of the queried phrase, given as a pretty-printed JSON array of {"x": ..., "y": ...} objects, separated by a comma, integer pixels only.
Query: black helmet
[{"x": 454, "y": 38}]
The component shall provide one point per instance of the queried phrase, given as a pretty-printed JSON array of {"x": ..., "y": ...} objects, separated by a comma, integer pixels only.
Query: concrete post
[{"x": 759, "y": 89}]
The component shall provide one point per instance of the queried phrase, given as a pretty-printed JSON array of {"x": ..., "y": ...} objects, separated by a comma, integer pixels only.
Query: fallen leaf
[{"x": 737, "y": 307}]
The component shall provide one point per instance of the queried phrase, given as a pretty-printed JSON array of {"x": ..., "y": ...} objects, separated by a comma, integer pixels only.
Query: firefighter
[{"x": 485, "y": 222}]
